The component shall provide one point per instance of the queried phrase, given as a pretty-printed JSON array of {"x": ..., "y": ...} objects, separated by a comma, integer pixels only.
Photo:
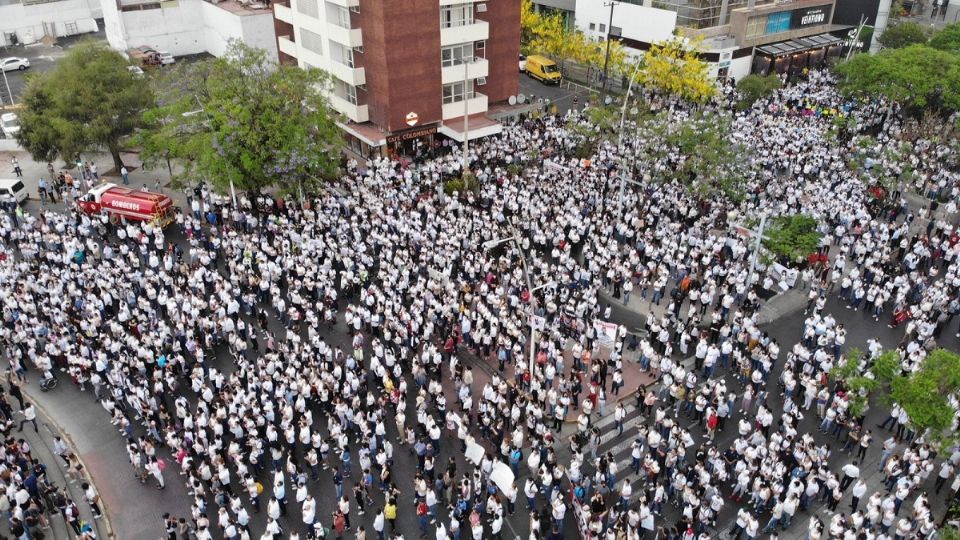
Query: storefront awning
[
  {"x": 799, "y": 45},
  {"x": 479, "y": 126},
  {"x": 366, "y": 132}
]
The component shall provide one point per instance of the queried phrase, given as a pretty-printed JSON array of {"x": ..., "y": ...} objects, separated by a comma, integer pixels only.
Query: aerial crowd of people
[{"x": 266, "y": 353}]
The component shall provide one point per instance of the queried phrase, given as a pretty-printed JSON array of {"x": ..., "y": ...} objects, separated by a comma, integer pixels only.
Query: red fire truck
[{"x": 131, "y": 204}]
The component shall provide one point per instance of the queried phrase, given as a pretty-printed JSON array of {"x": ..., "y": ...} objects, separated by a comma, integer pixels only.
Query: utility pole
[
  {"x": 883, "y": 17},
  {"x": 606, "y": 58}
]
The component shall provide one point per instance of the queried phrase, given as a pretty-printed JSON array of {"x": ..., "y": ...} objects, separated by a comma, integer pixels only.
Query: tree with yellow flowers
[{"x": 675, "y": 67}]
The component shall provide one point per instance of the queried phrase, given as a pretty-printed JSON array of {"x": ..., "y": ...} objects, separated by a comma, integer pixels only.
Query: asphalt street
[{"x": 136, "y": 509}]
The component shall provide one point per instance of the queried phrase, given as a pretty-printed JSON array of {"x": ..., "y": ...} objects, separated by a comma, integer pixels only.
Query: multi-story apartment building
[{"x": 406, "y": 70}]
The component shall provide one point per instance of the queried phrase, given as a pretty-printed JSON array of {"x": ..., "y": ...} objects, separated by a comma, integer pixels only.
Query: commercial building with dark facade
[{"x": 405, "y": 71}]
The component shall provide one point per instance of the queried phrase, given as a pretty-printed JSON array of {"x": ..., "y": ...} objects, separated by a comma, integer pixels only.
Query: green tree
[
  {"x": 925, "y": 395},
  {"x": 792, "y": 237},
  {"x": 863, "y": 379},
  {"x": 859, "y": 382},
  {"x": 902, "y": 35},
  {"x": 947, "y": 39},
  {"x": 918, "y": 77},
  {"x": 89, "y": 102},
  {"x": 709, "y": 161},
  {"x": 246, "y": 120},
  {"x": 754, "y": 87}
]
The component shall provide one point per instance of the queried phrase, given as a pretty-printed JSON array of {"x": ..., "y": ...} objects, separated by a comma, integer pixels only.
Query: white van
[
  {"x": 12, "y": 187},
  {"x": 9, "y": 124}
]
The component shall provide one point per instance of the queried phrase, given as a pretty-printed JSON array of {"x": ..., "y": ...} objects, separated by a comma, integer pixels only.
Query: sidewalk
[
  {"x": 41, "y": 444},
  {"x": 33, "y": 171}
]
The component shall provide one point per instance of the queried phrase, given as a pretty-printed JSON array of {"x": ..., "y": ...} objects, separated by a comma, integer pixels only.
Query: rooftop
[{"x": 243, "y": 7}]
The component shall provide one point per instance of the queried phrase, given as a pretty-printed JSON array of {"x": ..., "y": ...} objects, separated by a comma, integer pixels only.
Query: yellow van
[{"x": 543, "y": 69}]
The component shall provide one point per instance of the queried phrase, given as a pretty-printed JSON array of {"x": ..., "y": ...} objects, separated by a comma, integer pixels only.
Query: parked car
[
  {"x": 9, "y": 125},
  {"x": 14, "y": 64},
  {"x": 144, "y": 57},
  {"x": 165, "y": 58},
  {"x": 523, "y": 63}
]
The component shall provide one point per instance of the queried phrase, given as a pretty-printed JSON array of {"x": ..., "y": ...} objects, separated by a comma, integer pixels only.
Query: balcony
[
  {"x": 287, "y": 46},
  {"x": 349, "y": 37},
  {"x": 283, "y": 13},
  {"x": 476, "y": 105},
  {"x": 478, "y": 31},
  {"x": 345, "y": 3},
  {"x": 347, "y": 74},
  {"x": 478, "y": 68},
  {"x": 357, "y": 113}
]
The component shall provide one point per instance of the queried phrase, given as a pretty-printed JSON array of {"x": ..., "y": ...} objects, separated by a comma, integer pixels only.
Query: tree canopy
[
  {"x": 947, "y": 39},
  {"x": 917, "y": 77},
  {"x": 245, "y": 119},
  {"x": 89, "y": 102},
  {"x": 902, "y": 35},
  {"x": 926, "y": 394},
  {"x": 792, "y": 237},
  {"x": 707, "y": 162},
  {"x": 754, "y": 87},
  {"x": 675, "y": 67}
]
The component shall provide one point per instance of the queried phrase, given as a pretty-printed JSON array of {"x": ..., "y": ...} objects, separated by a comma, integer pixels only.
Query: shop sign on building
[{"x": 811, "y": 16}]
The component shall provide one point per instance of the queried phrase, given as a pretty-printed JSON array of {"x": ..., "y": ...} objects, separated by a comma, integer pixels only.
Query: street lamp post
[
  {"x": 758, "y": 234},
  {"x": 531, "y": 362},
  {"x": 7, "y": 83},
  {"x": 623, "y": 117}
]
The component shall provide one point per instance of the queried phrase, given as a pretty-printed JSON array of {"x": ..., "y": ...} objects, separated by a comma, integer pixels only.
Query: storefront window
[
  {"x": 778, "y": 22},
  {"x": 782, "y": 64},
  {"x": 761, "y": 65},
  {"x": 798, "y": 61},
  {"x": 816, "y": 58}
]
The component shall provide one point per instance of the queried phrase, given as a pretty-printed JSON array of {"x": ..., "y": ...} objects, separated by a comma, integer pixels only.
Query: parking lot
[{"x": 42, "y": 58}]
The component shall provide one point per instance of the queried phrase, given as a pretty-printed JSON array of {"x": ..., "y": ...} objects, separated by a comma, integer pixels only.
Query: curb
[{"x": 48, "y": 419}]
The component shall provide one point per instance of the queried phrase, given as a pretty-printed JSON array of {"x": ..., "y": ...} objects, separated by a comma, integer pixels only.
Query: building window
[
  {"x": 340, "y": 16},
  {"x": 346, "y": 91},
  {"x": 593, "y": 26},
  {"x": 456, "y": 15},
  {"x": 453, "y": 93},
  {"x": 311, "y": 41},
  {"x": 603, "y": 27},
  {"x": 778, "y": 22},
  {"x": 756, "y": 26},
  {"x": 456, "y": 54},
  {"x": 309, "y": 8},
  {"x": 341, "y": 54}
]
